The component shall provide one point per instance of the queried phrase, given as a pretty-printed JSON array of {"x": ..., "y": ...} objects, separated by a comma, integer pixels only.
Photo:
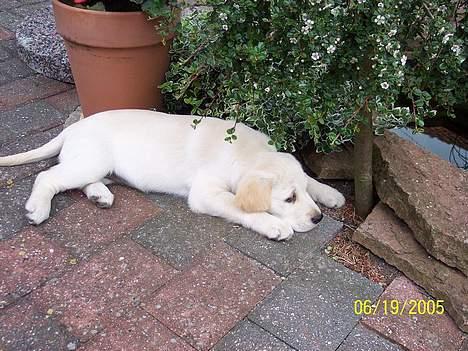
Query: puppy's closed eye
[{"x": 291, "y": 199}]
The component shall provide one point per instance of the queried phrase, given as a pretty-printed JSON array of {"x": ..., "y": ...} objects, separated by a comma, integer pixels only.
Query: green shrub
[{"x": 301, "y": 70}]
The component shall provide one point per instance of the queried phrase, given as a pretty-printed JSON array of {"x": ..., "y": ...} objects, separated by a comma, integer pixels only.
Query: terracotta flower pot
[{"x": 117, "y": 59}]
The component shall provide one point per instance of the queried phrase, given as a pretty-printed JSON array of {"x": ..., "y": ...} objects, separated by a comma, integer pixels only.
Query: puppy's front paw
[
  {"x": 37, "y": 213},
  {"x": 332, "y": 198},
  {"x": 273, "y": 228}
]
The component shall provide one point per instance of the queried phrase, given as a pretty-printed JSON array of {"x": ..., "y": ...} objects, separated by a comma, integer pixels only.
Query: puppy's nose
[{"x": 317, "y": 219}]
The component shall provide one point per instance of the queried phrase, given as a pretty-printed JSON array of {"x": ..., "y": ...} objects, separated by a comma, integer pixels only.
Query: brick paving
[{"x": 148, "y": 274}]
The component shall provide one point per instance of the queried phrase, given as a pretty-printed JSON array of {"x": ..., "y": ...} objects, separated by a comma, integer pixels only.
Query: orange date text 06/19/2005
[{"x": 399, "y": 308}]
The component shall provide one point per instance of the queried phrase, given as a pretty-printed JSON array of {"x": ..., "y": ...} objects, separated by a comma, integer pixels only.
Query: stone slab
[
  {"x": 65, "y": 102},
  {"x": 178, "y": 235},
  {"x": 12, "y": 201},
  {"x": 8, "y": 174},
  {"x": 284, "y": 257},
  {"x": 27, "y": 261},
  {"x": 13, "y": 69},
  {"x": 208, "y": 299},
  {"x": 24, "y": 328},
  {"x": 7, "y": 135},
  {"x": 86, "y": 299},
  {"x": 428, "y": 193},
  {"x": 313, "y": 308},
  {"x": 249, "y": 336},
  {"x": 9, "y": 20},
  {"x": 84, "y": 228},
  {"x": 41, "y": 47},
  {"x": 28, "y": 89},
  {"x": 388, "y": 237},
  {"x": 4, "y": 55},
  {"x": 138, "y": 331},
  {"x": 414, "y": 332},
  {"x": 363, "y": 339},
  {"x": 35, "y": 116}
]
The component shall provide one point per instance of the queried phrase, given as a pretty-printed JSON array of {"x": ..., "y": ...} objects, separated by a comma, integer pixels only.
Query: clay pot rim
[{"x": 100, "y": 13}]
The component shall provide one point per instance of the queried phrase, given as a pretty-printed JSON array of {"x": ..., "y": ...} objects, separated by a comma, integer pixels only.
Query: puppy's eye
[{"x": 291, "y": 199}]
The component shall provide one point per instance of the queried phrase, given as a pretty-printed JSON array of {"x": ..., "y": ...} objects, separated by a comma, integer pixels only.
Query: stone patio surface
[{"x": 148, "y": 274}]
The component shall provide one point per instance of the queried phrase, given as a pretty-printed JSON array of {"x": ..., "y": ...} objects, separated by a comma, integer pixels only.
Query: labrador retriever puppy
[{"x": 246, "y": 182}]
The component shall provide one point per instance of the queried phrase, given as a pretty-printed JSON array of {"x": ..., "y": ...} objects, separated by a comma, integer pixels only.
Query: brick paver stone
[
  {"x": 363, "y": 339},
  {"x": 84, "y": 228},
  {"x": 415, "y": 332},
  {"x": 249, "y": 336},
  {"x": 8, "y": 174},
  {"x": 24, "y": 328},
  {"x": 87, "y": 299},
  {"x": 139, "y": 332},
  {"x": 34, "y": 116},
  {"x": 12, "y": 201},
  {"x": 65, "y": 102},
  {"x": 14, "y": 69},
  {"x": 313, "y": 309},
  {"x": 26, "y": 261},
  {"x": 28, "y": 89},
  {"x": 207, "y": 300},
  {"x": 284, "y": 257},
  {"x": 6, "y": 34}
]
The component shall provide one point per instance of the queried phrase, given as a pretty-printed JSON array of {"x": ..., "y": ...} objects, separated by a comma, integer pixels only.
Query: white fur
[{"x": 246, "y": 182}]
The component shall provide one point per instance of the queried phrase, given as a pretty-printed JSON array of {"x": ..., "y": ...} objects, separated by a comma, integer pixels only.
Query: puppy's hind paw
[{"x": 332, "y": 199}]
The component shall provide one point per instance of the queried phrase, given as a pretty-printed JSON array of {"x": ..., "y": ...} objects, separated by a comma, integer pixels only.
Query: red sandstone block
[
  {"x": 5, "y": 34},
  {"x": 26, "y": 261},
  {"x": 87, "y": 299},
  {"x": 137, "y": 331},
  {"x": 28, "y": 89},
  {"x": 207, "y": 300},
  {"x": 83, "y": 227},
  {"x": 414, "y": 332}
]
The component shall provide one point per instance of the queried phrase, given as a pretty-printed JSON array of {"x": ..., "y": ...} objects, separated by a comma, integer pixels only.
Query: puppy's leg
[
  {"x": 211, "y": 197},
  {"x": 59, "y": 178},
  {"x": 99, "y": 194},
  {"x": 324, "y": 194}
]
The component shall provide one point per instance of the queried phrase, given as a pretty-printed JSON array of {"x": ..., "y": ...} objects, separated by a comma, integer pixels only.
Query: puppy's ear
[{"x": 254, "y": 193}]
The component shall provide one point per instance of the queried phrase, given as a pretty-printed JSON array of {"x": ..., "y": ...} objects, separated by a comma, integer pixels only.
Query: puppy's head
[{"x": 278, "y": 185}]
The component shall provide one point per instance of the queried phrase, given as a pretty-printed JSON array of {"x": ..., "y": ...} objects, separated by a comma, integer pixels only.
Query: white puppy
[{"x": 246, "y": 182}]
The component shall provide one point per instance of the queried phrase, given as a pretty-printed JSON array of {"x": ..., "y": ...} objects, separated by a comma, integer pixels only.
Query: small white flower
[
  {"x": 236, "y": 6},
  {"x": 222, "y": 16},
  {"x": 267, "y": 89},
  {"x": 353, "y": 60},
  {"x": 361, "y": 1},
  {"x": 305, "y": 29},
  {"x": 331, "y": 49},
  {"x": 392, "y": 33},
  {"x": 315, "y": 56},
  {"x": 381, "y": 5},
  {"x": 456, "y": 49},
  {"x": 293, "y": 40},
  {"x": 446, "y": 38},
  {"x": 384, "y": 85},
  {"x": 335, "y": 12},
  {"x": 380, "y": 20},
  {"x": 255, "y": 85},
  {"x": 225, "y": 27},
  {"x": 403, "y": 60}
]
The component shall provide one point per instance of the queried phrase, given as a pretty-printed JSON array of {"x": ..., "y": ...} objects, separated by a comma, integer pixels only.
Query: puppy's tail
[{"x": 52, "y": 148}]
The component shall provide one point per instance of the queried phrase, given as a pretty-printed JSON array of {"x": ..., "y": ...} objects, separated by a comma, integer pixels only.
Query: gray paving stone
[
  {"x": 27, "y": 9},
  {"x": 38, "y": 115},
  {"x": 284, "y": 257},
  {"x": 9, "y": 20},
  {"x": 4, "y": 55},
  {"x": 313, "y": 308},
  {"x": 363, "y": 339},
  {"x": 13, "y": 69},
  {"x": 6, "y": 135},
  {"x": 248, "y": 336},
  {"x": 177, "y": 234},
  {"x": 12, "y": 201},
  {"x": 24, "y": 144}
]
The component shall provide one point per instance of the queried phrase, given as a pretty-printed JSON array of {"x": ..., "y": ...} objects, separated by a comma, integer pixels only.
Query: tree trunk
[{"x": 363, "y": 144}]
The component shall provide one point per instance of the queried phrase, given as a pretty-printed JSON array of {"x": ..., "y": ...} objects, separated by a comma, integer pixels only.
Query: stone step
[
  {"x": 388, "y": 237},
  {"x": 426, "y": 192},
  {"x": 41, "y": 48}
]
